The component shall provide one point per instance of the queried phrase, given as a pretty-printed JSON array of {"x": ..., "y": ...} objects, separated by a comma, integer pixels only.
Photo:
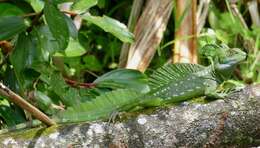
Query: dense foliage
[{"x": 55, "y": 66}]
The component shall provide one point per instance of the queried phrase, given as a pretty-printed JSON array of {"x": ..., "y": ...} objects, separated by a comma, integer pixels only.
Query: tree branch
[
  {"x": 232, "y": 122},
  {"x": 5, "y": 91}
]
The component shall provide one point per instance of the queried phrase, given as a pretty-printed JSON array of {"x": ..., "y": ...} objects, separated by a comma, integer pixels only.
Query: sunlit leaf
[
  {"x": 112, "y": 26},
  {"x": 83, "y": 5},
  {"x": 37, "y": 5},
  {"x": 74, "y": 49}
]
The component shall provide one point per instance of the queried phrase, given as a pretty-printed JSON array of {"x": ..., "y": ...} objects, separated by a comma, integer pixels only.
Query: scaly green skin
[
  {"x": 191, "y": 86},
  {"x": 201, "y": 81},
  {"x": 205, "y": 81}
]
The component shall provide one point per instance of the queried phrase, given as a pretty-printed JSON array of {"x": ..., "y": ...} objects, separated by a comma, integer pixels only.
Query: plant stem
[
  {"x": 80, "y": 84},
  {"x": 135, "y": 13},
  {"x": 5, "y": 91}
]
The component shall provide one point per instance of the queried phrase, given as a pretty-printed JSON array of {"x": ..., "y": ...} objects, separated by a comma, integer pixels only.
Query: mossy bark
[{"x": 233, "y": 121}]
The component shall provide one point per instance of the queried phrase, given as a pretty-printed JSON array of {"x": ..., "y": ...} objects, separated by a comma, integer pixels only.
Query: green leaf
[
  {"x": 112, "y": 26},
  {"x": 208, "y": 38},
  {"x": 12, "y": 25},
  {"x": 57, "y": 24},
  {"x": 45, "y": 42},
  {"x": 9, "y": 114},
  {"x": 74, "y": 49},
  {"x": 10, "y": 79},
  {"x": 37, "y": 5},
  {"x": 28, "y": 53},
  {"x": 22, "y": 57},
  {"x": 61, "y": 1},
  {"x": 101, "y": 4},
  {"x": 7, "y": 9},
  {"x": 69, "y": 96},
  {"x": 57, "y": 84},
  {"x": 43, "y": 101},
  {"x": 72, "y": 28},
  {"x": 83, "y": 5},
  {"x": 124, "y": 78},
  {"x": 92, "y": 63},
  {"x": 102, "y": 107}
]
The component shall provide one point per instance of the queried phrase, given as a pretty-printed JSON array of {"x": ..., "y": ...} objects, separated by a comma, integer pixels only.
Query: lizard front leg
[{"x": 211, "y": 90}]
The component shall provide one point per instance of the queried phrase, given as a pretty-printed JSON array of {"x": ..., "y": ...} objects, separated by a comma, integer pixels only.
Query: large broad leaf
[
  {"x": 57, "y": 24},
  {"x": 102, "y": 107},
  {"x": 124, "y": 78},
  {"x": 33, "y": 48},
  {"x": 46, "y": 45},
  {"x": 12, "y": 25},
  {"x": 7, "y": 9},
  {"x": 112, "y": 26},
  {"x": 83, "y": 5},
  {"x": 22, "y": 56},
  {"x": 28, "y": 52}
]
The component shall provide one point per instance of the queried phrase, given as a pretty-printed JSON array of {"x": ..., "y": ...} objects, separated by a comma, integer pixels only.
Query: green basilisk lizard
[{"x": 170, "y": 83}]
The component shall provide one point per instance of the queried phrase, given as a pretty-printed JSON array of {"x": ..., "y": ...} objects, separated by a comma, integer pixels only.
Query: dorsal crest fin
[{"x": 172, "y": 72}]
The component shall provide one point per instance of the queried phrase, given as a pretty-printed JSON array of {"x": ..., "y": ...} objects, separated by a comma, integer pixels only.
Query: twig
[
  {"x": 30, "y": 14},
  {"x": 64, "y": 11},
  {"x": 80, "y": 84},
  {"x": 5, "y": 91}
]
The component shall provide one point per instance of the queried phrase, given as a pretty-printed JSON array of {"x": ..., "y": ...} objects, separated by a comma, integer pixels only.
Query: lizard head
[
  {"x": 233, "y": 57},
  {"x": 221, "y": 54},
  {"x": 222, "y": 57},
  {"x": 227, "y": 63}
]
